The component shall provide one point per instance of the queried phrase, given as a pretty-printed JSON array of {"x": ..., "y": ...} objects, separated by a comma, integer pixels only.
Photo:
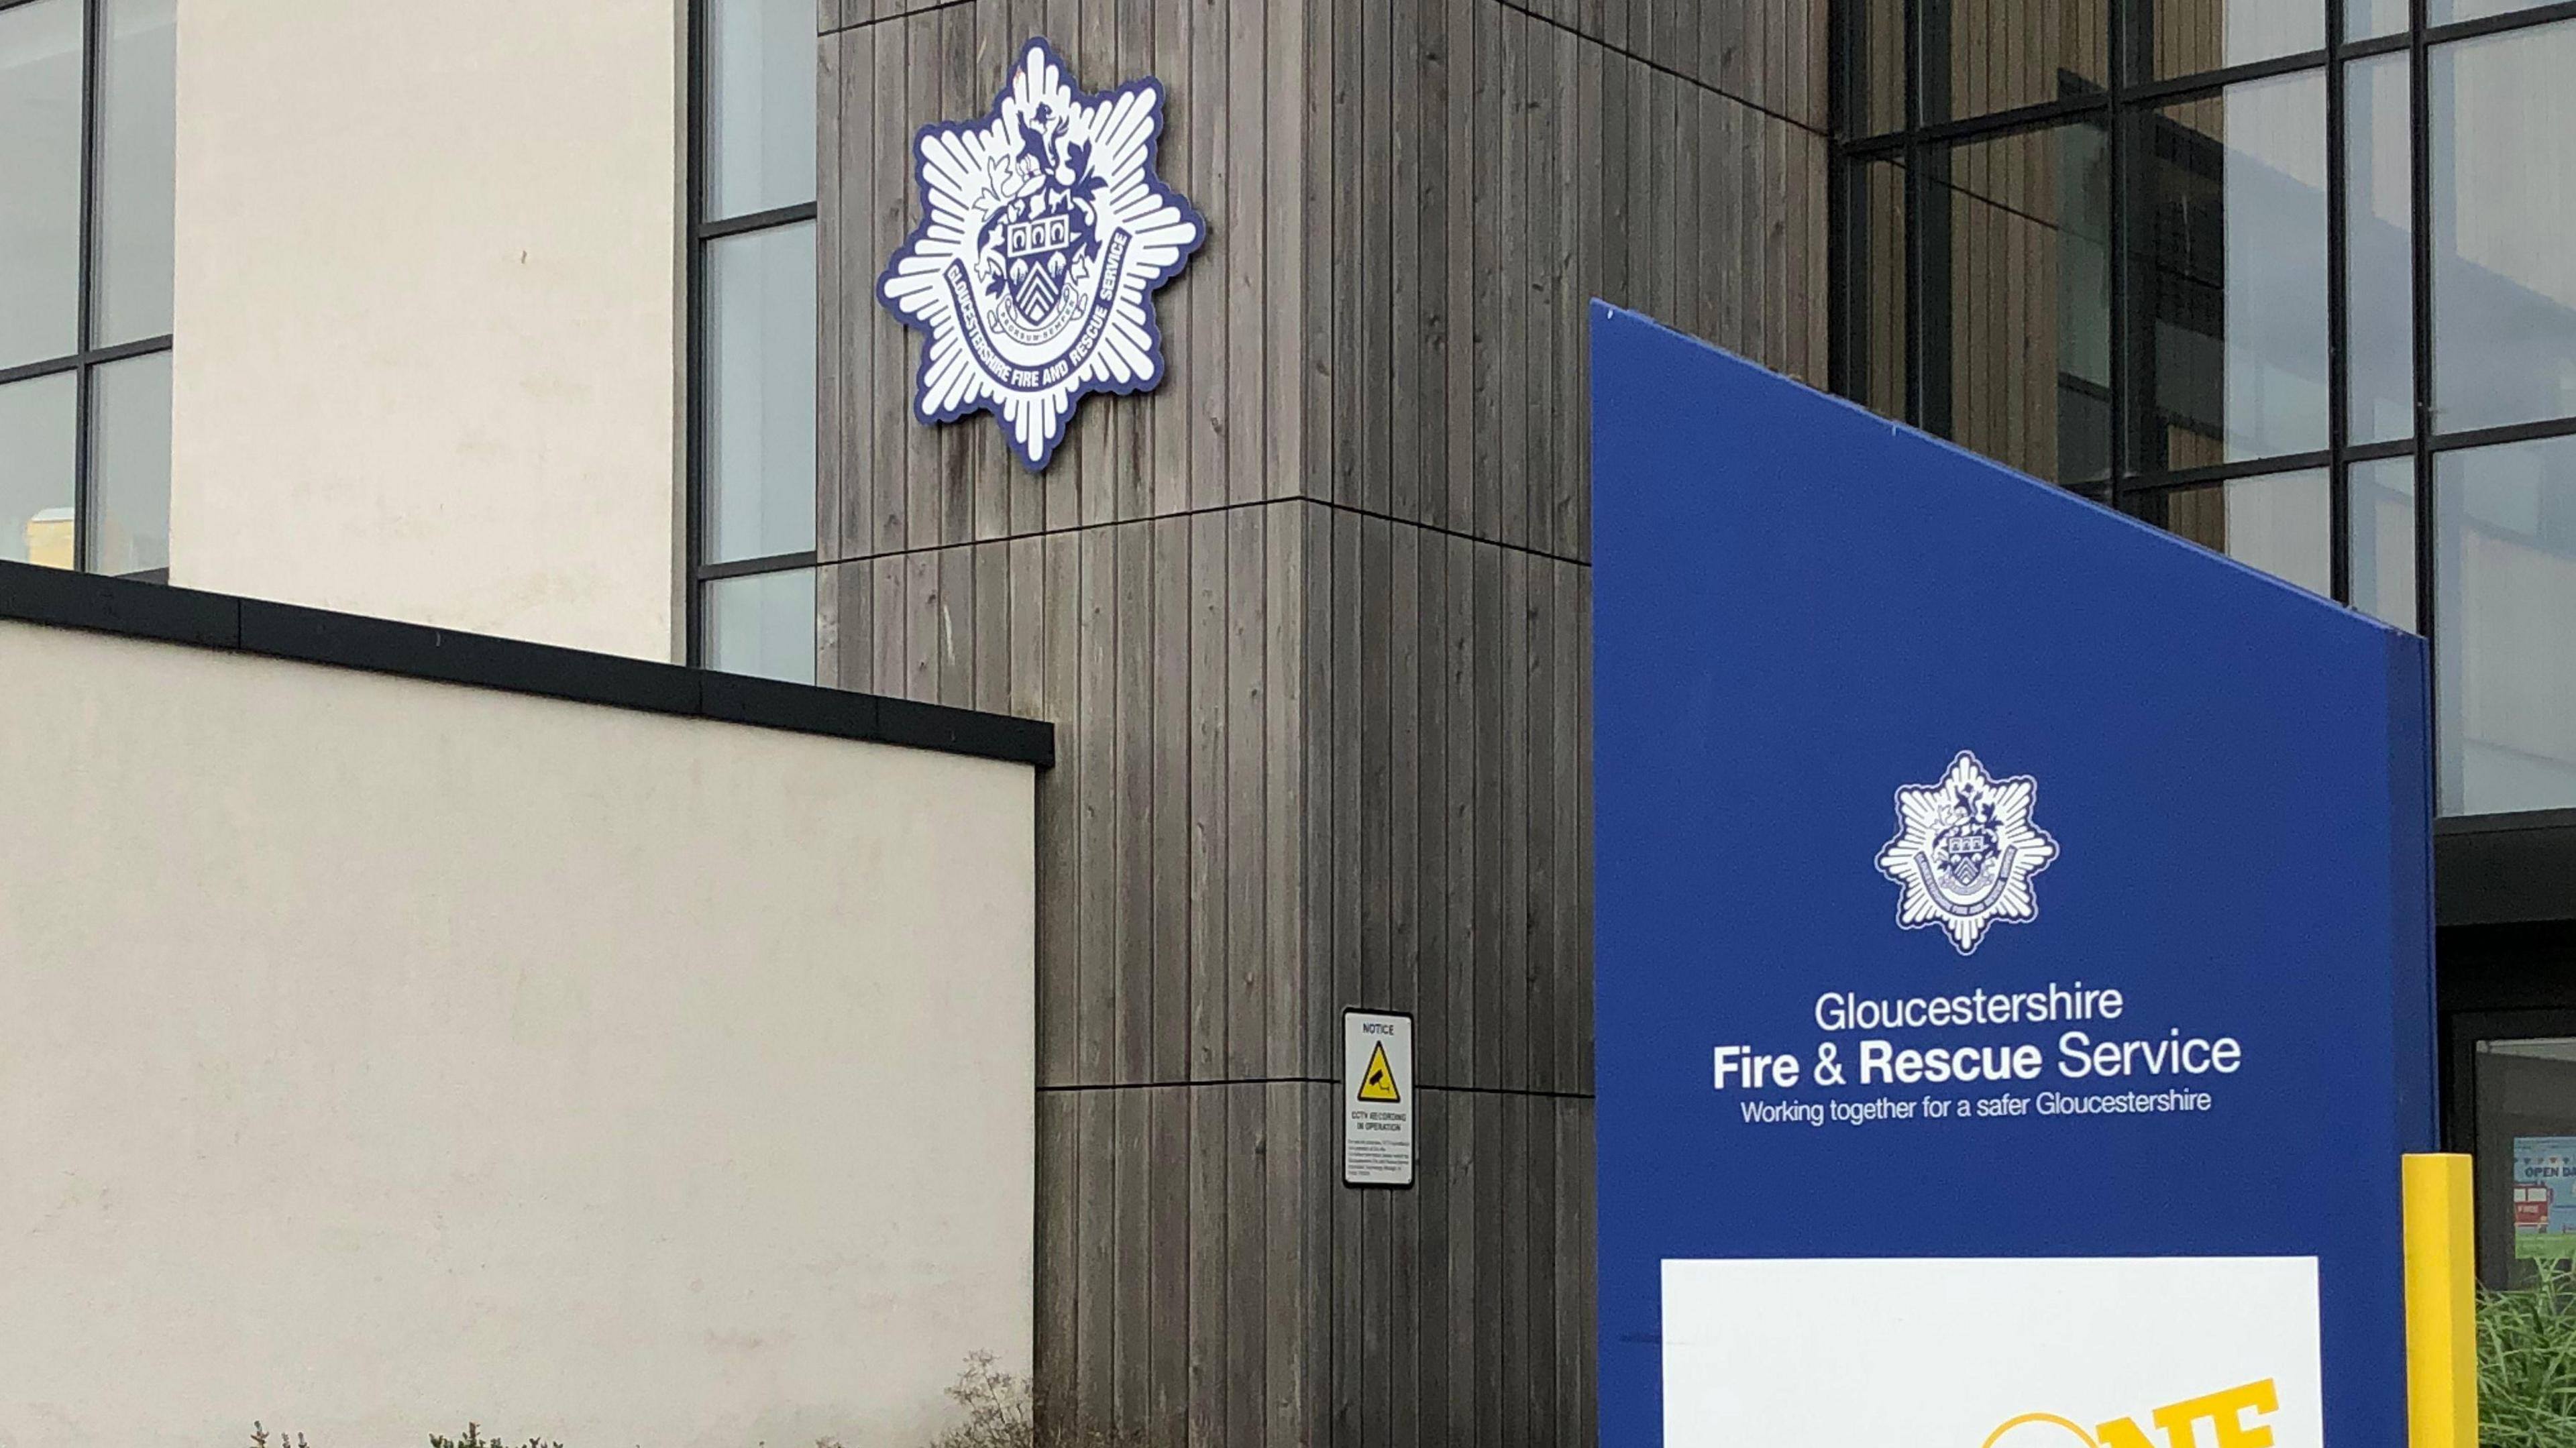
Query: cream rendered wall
[
  {"x": 378, "y": 1054},
  {"x": 428, "y": 309}
]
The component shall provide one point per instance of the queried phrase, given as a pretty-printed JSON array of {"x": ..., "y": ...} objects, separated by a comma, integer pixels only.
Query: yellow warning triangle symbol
[{"x": 1378, "y": 1082}]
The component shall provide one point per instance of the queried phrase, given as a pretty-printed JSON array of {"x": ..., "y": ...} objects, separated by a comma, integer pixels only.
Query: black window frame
[
  {"x": 2116, "y": 108},
  {"x": 87, "y": 356}
]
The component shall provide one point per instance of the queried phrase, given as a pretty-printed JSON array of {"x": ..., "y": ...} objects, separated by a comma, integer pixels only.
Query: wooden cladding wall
[
  {"x": 1336, "y": 759},
  {"x": 1402, "y": 334},
  {"x": 1332, "y": 759},
  {"x": 1313, "y": 623},
  {"x": 1225, "y": 429},
  {"x": 1765, "y": 54}
]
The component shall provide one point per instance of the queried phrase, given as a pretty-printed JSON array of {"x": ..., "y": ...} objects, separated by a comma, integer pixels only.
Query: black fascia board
[
  {"x": 162, "y": 614},
  {"x": 2505, "y": 869}
]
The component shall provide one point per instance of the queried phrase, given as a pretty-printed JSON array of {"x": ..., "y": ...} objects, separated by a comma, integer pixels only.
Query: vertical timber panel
[
  {"x": 1170, "y": 1058},
  {"x": 1174, "y": 1221},
  {"x": 1210, "y": 137},
  {"x": 1403, "y": 159},
  {"x": 1094, "y": 963},
  {"x": 1283, "y": 320}
]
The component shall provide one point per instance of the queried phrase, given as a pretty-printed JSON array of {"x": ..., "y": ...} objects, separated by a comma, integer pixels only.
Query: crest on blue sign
[
  {"x": 1044, "y": 233},
  {"x": 1965, "y": 851}
]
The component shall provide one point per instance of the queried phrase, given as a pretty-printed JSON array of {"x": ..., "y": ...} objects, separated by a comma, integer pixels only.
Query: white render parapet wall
[{"x": 381, "y": 1052}]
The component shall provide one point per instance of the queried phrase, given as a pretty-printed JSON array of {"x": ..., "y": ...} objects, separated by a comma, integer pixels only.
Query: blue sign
[
  {"x": 2014, "y": 988},
  {"x": 1045, "y": 231}
]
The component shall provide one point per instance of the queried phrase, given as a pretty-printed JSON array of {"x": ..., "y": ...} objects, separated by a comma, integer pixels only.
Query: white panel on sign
[
  {"x": 2027, "y": 1352},
  {"x": 1377, "y": 1099}
]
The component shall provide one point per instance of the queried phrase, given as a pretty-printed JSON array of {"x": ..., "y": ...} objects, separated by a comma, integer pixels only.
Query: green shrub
[
  {"x": 2527, "y": 1362},
  {"x": 1004, "y": 1411}
]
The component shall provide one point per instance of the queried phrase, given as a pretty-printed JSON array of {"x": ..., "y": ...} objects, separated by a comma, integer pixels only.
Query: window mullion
[
  {"x": 85, "y": 376},
  {"x": 693, "y": 465},
  {"x": 2419, "y": 163},
  {"x": 2116, "y": 143},
  {"x": 2338, "y": 304}
]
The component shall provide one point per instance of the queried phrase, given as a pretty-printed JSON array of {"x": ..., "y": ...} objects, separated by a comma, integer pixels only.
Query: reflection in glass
[
  {"x": 2503, "y": 137},
  {"x": 2504, "y": 524},
  {"x": 1983, "y": 56},
  {"x": 2525, "y": 1157},
  {"x": 137, "y": 134},
  {"x": 762, "y": 623},
  {"x": 2383, "y": 539},
  {"x": 2370, "y": 19},
  {"x": 2018, "y": 306},
  {"x": 40, "y": 146},
  {"x": 2281, "y": 524},
  {"x": 760, "y": 71},
  {"x": 2188, "y": 38},
  {"x": 760, "y": 394},
  {"x": 1876, "y": 37},
  {"x": 129, "y": 463},
  {"x": 2227, "y": 272},
  {"x": 1877, "y": 277},
  {"x": 2379, "y": 251},
  {"x": 36, "y": 471},
  {"x": 2443, "y": 12}
]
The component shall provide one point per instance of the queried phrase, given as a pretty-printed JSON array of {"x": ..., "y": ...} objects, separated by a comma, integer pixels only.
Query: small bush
[
  {"x": 2527, "y": 1362},
  {"x": 474, "y": 1439},
  {"x": 1004, "y": 1411},
  {"x": 1001, "y": 1412}
]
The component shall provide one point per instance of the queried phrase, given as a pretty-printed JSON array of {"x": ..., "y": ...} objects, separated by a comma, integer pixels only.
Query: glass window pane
[
  {"x": 2383, "y": 540},
  {"x": 2526, "y": 1144},
  {"x": 762, "y": 623},
  {"x": 2379, "y": 250},
  {"x": 2505, "y": 527},
  {"x": 2281, "y": 524},
  {"x": 36, "y": 471},
  {"x": 761, "y": 61},
  {"x": 2186, "y": 39},
  {"x": 40, "y": 145},
  {"x": 129, "y": 465},
  {"x": 1877, "y": 280},
  {"x": 1876, "y": 35},
  {"x": 1983, "y": 56},
  {"x": 2228, "y": 276},
  {"x": 2443, "y": 12},
  {"x": 2503, "y": 133},
  {"x": 2370, "y": 19},
  {"x": 137, "y": 131},
  {"x": 2017, "y": 279},
  {"x": 760, "y": 394}
]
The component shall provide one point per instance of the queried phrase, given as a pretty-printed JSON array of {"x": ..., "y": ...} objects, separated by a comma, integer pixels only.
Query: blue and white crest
[
  {"x": 1965, "y": 850},
  {"x": 1044, "y": 234}
]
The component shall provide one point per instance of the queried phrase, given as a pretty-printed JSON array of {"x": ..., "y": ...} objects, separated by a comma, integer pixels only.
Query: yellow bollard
[{"x": 2441, "y": 1303}]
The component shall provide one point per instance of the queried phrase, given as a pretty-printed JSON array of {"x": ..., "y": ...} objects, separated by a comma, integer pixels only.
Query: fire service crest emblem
[
  {"x": 1044, "y": 234},
  {"x": 1965, "y": 851}
]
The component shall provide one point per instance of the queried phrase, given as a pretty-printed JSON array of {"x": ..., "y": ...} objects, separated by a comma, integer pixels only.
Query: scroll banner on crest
[{"x": 2013, "y": 948}]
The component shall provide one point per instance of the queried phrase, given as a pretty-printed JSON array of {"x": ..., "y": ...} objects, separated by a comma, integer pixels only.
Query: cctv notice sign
[
  {"x": 1377, "y": 1099},
  {"x": 2013, "y": 954}
]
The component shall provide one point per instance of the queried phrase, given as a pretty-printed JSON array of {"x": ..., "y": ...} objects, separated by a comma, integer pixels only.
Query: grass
[{"x": 2527, "y": 1362}]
